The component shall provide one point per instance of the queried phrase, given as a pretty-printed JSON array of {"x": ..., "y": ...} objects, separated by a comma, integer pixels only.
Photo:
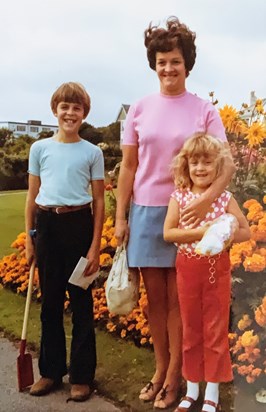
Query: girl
[{"x": 203, "y": 282}]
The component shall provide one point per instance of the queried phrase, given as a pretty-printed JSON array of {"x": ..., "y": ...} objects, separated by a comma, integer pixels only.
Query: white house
[
  {"x": 121, "y": 118},
  {"x": 31, "y": 128},
  {"x": 247, "y": 113}
]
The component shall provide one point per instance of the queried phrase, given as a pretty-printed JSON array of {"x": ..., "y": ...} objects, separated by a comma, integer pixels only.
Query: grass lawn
[
  {"x": 11, "y": 218},
  {"x": 122, "y": 367}
]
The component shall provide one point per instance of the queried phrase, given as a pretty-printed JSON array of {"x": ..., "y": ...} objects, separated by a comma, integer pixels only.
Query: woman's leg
[
  {"x": 156, "y": 288},
  {"x": 169, "y": 392},
  {"x": 165, "y": 325},
  {"x": 174, "y": 328}
]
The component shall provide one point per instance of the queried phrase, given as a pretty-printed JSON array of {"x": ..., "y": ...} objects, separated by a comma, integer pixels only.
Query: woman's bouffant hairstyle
[
  {"x": 176, "y": 35},
  {"x": 196, "y": 146},
  {"x": 71, "y": 92}
]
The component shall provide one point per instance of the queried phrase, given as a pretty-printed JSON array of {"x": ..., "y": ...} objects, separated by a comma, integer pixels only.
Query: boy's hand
[
  {"x": 93, "y": 264},
  {"x": 121, "y": 231},
  {"x": 30, "y": 251},
  {"x": 195, "y": 211}
]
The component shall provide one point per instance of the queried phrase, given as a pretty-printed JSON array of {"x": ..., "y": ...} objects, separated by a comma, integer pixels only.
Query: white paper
[{"x": 77, "y": 277}]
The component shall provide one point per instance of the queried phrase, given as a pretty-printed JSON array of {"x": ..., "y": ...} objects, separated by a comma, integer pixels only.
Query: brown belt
[{"x": 64, "y": 209}]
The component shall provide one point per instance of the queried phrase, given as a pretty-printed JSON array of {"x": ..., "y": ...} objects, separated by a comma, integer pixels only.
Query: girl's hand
[
  {"x": 195, "y": 211},
  {"x": 121, "y": 231}
]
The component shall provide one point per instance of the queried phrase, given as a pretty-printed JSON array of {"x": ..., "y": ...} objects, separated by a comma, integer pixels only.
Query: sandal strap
[
  {"x": 188, "y": 398},
  {"x": 150, "y": 386},
  {"x": 164, "y": 392},
  {"x": 217, "y": 406}
]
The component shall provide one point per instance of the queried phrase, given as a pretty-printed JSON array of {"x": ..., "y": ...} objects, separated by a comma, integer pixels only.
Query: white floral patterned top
[{"x": 218, "y": 208}]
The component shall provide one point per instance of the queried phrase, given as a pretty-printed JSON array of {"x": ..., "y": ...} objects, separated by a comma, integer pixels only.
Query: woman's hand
[
  {"x": 195, "y": 211},
  {"x": 121, "y": 231}
]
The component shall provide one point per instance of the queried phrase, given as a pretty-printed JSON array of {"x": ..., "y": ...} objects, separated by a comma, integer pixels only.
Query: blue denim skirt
[{"x": 146, "y": 246}]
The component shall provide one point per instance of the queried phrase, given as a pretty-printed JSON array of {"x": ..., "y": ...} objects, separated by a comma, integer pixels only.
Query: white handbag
[{"x": 122, "y": 286}]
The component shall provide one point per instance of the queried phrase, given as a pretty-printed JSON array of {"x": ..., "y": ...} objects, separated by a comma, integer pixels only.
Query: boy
[{"x": 58, "y": 203}]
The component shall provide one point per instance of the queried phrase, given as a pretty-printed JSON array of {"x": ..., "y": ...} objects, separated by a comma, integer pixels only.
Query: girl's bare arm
[
  {"x": 171, "y": 231},
  {"x": 243, "y": 232}
]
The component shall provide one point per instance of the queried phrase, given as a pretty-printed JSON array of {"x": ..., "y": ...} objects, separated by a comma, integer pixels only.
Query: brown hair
[
  {"x": 176, "y": 35},
  {"x": 71, "y": 92},
  {"x": 196, "y": 146}
]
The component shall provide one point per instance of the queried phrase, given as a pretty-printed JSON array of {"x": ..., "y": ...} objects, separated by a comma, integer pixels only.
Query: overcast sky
[{"x": 100, "y": 44}]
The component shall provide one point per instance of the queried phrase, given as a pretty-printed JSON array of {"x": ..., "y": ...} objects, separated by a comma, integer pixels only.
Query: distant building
[
  {"x": 248, "y": 112},
  {"x": 121, "y": 118},
  {"x": 31, "y": 128}
]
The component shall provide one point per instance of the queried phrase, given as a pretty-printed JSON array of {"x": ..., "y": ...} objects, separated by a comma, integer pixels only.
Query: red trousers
[{"x": 205, "y": 310}]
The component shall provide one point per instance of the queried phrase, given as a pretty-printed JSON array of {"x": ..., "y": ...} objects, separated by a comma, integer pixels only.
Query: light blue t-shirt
[{"x": 65, "y": 170}]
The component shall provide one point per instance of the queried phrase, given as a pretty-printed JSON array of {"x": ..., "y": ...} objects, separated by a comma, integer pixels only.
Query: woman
[{"x": 155, "y": 130}]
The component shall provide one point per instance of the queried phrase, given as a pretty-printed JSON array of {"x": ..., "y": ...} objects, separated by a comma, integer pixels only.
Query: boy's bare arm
[
  {"x": 30, "y": 213},
  {"x": 98, "y": 217}
]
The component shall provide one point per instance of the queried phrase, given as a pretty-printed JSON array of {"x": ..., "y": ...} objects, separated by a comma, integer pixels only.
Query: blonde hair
[
  {"x": 196, "y": 146},
  {"x": 71, "y": 92}
]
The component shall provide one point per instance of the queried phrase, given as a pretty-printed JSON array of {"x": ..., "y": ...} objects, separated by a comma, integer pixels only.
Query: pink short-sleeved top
[
  {"x": 159, "y": 125},
  {"x": 218, "y": 208}
]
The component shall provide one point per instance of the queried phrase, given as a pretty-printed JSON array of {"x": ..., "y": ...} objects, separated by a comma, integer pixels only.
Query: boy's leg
[
  {"x": 83, "y": 348},
  {"x": 52, "y": 360}
]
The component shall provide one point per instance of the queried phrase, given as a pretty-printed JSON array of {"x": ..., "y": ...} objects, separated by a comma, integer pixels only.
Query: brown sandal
[
  {"x": 182, "y": 408},
  {"x": 217, "y": 406},
  {"x": 162, "y": 398},
  {"x": 149, "y": 392}
]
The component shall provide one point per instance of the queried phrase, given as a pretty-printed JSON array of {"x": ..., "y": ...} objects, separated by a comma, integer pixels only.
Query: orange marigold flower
[
  {"x": 103, "y": 243},
  {"x": 254, "y": 214},
  {"x": 256, "y": 372},
  {"x": 131, "y": 327},
  {"x": 123, "y": 333},
  {"x": 250, "y": 379},
  {"x": 105, "y": 259},
  {"x": 143, "y": 341},
  {"x": 113, "y": 242},
  {"x": 235, "y": 260},
  {"x": 244, "y": 323},
  {"x": 249, "y": 203},
  {"x": 248, "y": 339},
  {"x": 254, "y": 263},
  {"x": 109, "y": 222},
  {"x": 111, "y": 326}
]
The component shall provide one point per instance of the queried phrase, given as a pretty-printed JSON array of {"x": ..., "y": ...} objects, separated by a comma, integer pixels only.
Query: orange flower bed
[{"x": 246, "y": 344}]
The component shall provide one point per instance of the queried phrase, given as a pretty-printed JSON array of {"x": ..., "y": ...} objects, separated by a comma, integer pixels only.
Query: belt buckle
[{"x": 57, "y": 210}]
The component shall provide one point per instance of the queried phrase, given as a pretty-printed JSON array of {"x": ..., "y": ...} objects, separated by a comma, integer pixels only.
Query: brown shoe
[
  {"x": 44, "y": 386},
  {"x": 217, "y": 406},
  {"x": 189, "y": 408},
  {"x": 80, "y": 393}
]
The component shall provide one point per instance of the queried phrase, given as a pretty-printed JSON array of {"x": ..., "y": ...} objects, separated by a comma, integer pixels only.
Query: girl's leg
[
  {"x": 191, "y": 396},
  {"x": 216, "y": 304},
  {"x": 212, "y": 396}
]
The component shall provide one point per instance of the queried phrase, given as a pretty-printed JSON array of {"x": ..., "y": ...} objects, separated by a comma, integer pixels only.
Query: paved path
[{"x": 13, "y": 401}]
